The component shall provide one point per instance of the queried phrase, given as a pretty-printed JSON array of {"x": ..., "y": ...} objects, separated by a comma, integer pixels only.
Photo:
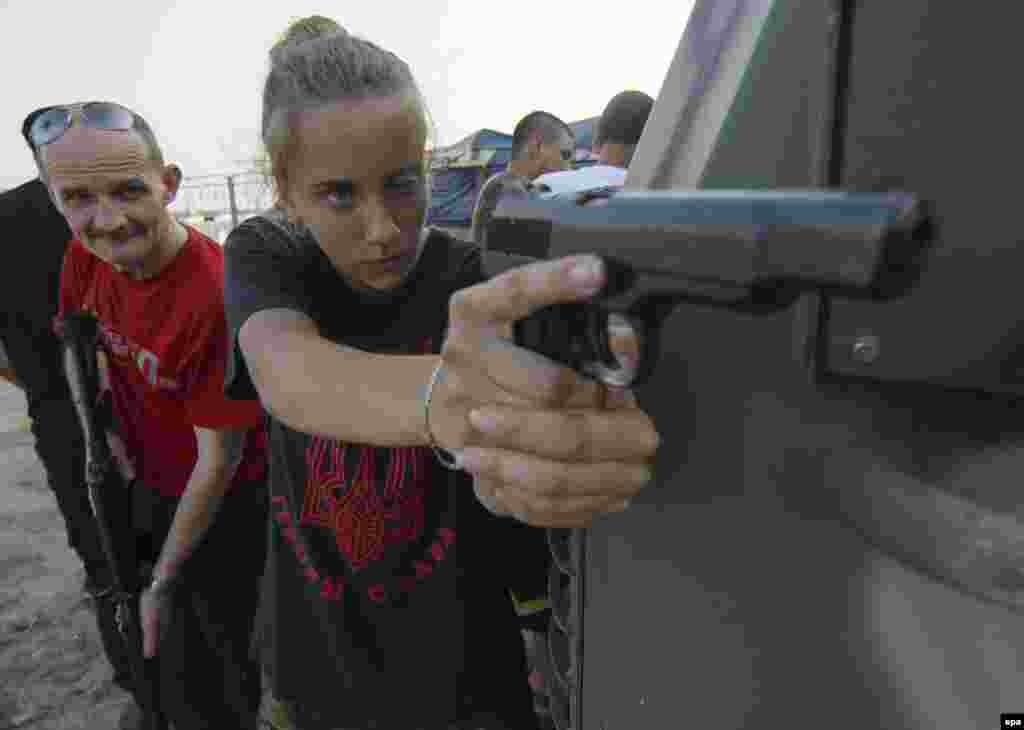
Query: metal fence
[{"x": 217, "y": 203}]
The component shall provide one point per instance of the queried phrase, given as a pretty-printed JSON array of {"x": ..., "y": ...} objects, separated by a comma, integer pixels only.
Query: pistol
[{"x": 748, "y": 251}]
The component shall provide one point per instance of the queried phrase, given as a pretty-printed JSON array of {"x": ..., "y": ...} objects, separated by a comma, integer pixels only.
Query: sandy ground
[
  {"x": 53, "y": 674},
  {"x": 52, "y": 671}
]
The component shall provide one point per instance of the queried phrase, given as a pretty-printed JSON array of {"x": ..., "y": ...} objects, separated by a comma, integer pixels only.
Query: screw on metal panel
[{"x": 866, "y": 349}]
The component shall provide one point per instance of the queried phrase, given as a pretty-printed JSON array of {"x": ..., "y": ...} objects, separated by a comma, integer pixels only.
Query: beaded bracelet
[{"x": 445, "y": 457}]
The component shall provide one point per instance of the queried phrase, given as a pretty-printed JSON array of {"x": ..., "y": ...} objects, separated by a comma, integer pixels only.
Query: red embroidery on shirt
[
  {"x": 366, "y": 511},
  {"x": 437, "y": 552},
  {"x": 447, "y": 536},
  {"x": 283, "y": 517},
  {"x": 331, "y": 588},
  {"x": 366, "y": 519}
]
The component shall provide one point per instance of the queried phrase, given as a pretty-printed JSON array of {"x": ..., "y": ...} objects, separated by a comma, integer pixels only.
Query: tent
[
  {"x": 483, "y": 147},
  {"x": 458, "y": 171},
  {"x": 584, "y": 132}
]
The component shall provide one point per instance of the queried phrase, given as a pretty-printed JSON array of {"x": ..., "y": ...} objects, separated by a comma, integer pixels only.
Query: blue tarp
[
  {"x": 584, "y": 131},
  {"x": 453, "y": 195},
  {"x": 489, "y": 139}
]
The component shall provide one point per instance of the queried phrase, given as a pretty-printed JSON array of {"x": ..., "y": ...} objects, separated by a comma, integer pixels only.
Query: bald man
[
  {"x": 196, "y": 461},
  {"x": 541, "y": 143}
]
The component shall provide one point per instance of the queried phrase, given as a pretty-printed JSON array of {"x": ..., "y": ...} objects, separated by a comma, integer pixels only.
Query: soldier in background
[
  {"x": 541, "y": 143},
  {"x": 615, "y": 139}
]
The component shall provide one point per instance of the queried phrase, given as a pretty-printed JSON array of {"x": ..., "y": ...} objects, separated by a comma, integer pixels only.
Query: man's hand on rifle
[
  {"x": 551, "y": 447},
  {"x": 219, "y": 453},
  {"x": 155, "y": 611}
]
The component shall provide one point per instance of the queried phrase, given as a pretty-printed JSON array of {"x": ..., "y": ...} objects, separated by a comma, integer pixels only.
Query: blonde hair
[{"x": 316, "y": 62}]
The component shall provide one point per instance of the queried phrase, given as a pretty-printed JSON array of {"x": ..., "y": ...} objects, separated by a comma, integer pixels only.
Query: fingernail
[
  {"x": 470, "y": 459},
  {"x": 484, "y": 421},
  {"x": 586, "y": 274},
  {"x": 616, "y": 397}
]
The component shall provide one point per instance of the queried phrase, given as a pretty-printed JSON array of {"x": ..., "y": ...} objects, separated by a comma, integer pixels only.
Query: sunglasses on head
[{"x": 49, "y": 124}]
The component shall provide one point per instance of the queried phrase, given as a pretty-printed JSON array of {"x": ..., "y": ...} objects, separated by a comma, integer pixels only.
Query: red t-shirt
[{"x": 167, "y": 345}]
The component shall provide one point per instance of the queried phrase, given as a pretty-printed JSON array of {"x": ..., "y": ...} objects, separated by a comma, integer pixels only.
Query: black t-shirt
[
  {"x": 388, "y": 603},
  {"x": 34, "y": 235}
]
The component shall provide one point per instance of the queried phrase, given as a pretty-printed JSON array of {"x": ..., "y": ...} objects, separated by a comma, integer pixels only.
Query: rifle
[
  {"x": 110, "y": 499},
  {"x": 753, "y": 252}
]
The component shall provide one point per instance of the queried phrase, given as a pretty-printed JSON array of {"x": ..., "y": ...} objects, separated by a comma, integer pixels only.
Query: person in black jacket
[
  {"x": 34, "y": 228},
  {"x": 541, "y": 144},
  {"x": 35, "y": 235}
]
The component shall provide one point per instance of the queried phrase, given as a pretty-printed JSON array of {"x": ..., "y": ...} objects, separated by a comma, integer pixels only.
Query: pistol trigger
[{"x": 619, "y": 277}]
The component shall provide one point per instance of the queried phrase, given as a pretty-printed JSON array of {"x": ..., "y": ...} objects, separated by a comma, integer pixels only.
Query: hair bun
[{"x": 303, "y": 30}]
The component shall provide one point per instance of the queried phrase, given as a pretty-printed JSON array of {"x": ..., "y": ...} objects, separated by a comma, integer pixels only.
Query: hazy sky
[{"x": 195, "y": 68}]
